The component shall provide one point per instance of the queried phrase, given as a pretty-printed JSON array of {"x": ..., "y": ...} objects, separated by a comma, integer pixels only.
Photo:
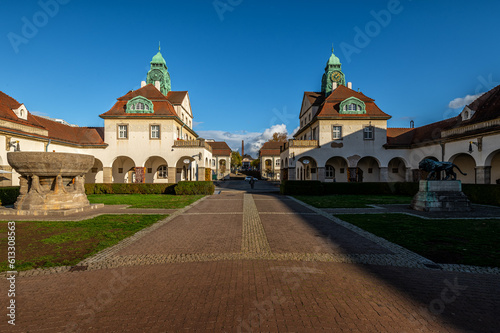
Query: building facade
[
  {"x": 343, "y": 137},
  {"x": 221, "y": 159},
  {"x": 270, "y": 160},
  {"x": 147, "y": 136}
]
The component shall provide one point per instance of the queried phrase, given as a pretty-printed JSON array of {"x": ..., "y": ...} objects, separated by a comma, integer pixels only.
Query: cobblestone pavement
[{"x": 247, "y": 262}]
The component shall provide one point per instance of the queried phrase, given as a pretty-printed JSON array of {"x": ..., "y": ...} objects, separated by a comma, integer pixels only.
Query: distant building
[
  {"x": 221, "y": 159},
  {"x": 246, "y": 161},
  {"x": 270, "y": 161},
  {"x": 343, "y": 137}
]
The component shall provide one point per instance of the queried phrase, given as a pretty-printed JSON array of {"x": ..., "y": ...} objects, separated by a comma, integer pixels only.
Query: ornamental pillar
[
  {"x": 408, "y": 175},
  {"x": 384, "y": 174},
  {"x": 172, "y": 174},
  {"x": 321, "y": 174},
  {"x": 483, "y": 175},
  {"x": 107, "y": 175}
]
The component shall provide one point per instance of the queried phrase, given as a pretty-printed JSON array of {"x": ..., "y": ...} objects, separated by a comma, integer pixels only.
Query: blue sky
[{"x": 247, "y": 63}]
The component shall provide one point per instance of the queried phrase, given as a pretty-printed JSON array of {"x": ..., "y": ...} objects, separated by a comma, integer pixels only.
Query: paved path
[{"x": 247, "y": 262}]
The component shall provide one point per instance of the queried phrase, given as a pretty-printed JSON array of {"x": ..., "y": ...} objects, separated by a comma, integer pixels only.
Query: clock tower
[
  {"x": 159, "y": 72},
  {"x": 333, "y": 73}
]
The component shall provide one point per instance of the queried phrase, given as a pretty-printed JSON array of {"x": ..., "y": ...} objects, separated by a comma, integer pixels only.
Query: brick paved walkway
[{"x": 246, "y": 262}]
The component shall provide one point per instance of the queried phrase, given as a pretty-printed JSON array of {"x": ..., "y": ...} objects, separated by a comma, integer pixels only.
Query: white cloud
[
  {"x": 253, "y": 140},
  {"x": 463, "y": 101}
]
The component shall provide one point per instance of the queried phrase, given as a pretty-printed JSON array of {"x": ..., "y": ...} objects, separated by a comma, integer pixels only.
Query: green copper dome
[
  {"x": 158, "y": 59},
  {"x": 334, "y": 60}
]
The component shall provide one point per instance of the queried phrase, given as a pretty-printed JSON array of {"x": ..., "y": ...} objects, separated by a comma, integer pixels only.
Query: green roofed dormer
[
  {"x": 159, "y": 72},
  {"x": 333, "y": 73}
]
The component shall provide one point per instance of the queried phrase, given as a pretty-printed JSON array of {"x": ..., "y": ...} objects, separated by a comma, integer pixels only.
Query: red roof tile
[
  {"x": 176, "y": 97},
  {"x": 7, "y": 104},
  {"x": 70, "y": 134},
  {"x": 331, "y": 106},
  {"x": 486, "y": 107},
  {"x": 271, "y": 148},
  {"x": 161, "y": 105},
  {"x": 220, "y": 148}
]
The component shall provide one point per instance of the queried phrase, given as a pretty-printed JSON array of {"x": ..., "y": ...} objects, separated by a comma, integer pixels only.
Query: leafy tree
[
  {"x": 279, "y": 137},
  {"x": 235, "y": 159},
  {"x": 255, "y": 163}
]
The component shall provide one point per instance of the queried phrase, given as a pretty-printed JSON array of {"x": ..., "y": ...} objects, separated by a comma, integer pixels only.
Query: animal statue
[{"x": 434, "y": 167}]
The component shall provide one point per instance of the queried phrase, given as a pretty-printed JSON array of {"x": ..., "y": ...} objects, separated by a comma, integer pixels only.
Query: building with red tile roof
[
  {"x": 221, "y": 159},
  {"x": 343, "y": 136},
  {"x": 147, "y": 135},
  {"x": 269, "y": 155}
]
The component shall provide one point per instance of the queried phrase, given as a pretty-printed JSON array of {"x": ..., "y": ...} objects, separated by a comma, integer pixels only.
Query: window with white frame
[
  {"x": 162, "y": 172},
  {"x": 368, "y": 133},
  {"x": 329, "y": 171},
  {"x": 122, "y": 131},
  {"x": 336, "y": 132},
  {"x": 155, "y": 131},
  {"x": 277, "y": 162}
]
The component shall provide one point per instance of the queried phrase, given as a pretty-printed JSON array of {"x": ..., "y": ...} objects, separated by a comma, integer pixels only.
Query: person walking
[{"x": 252, "y": 182}]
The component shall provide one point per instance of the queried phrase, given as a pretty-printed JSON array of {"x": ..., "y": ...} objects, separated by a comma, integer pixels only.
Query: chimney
[
  {"x": 242, "y": 148},
  {"x": 349, "y": 85},
  {"x": 157, "y": 85},
  {"x": 143, "y": 83}
]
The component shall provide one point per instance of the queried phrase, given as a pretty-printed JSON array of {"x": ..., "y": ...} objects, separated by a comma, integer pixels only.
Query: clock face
[
  {"x": 337, "y": 77},
  {"x": 156, "y": 75}
]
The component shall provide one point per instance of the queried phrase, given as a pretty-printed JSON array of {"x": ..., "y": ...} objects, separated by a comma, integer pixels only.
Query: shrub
[
  {"x": 301, "y": 187},
  {"x": 190, "y": 188},
  {"x": 8, "y": 195},
  {"x": 208, "y": 174},
  {"x": 485, "y": 194},
  {"x": 163, "y": 188}
]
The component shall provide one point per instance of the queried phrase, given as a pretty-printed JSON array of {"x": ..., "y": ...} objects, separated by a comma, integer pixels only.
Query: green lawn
[
  {"x": 65, "y": 243},
  {"x": 166, "y": 201},
  {"x": 352, "y": 201},
  {"x": 468, "y": 242}
]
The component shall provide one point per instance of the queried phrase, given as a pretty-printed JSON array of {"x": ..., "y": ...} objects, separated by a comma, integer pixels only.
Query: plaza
[{"x": 228, "y": 263}]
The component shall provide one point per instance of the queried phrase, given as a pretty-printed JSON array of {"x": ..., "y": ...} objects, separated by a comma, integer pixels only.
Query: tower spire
[{"x": 159, "y": 47}]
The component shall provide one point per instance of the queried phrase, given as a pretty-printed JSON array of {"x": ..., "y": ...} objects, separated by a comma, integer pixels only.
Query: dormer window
[
  {"x": 21, "y": 112},
  {"x": 139, "y": 104},
  {"x": 352, "y": 105}
]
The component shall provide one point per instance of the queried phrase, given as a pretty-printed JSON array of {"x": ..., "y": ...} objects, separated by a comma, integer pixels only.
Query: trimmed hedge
[
  {"x": 129, "y": 188},
  {"x": 484, "y": 194},
  {"x": 394, "y": 188},
  {"x": 301, "y": 187},
  {"x": 8, "y": 195},
  {"x": 190, "y": 188}
]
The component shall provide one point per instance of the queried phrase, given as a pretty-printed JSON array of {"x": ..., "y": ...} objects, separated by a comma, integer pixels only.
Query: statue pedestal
[{"x": 440, "y": 196}]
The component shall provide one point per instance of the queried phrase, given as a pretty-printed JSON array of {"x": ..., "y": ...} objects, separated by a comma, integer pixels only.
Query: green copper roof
[
  {"x": 334, "y": 60},
  {"x": 158, "y": 58}
]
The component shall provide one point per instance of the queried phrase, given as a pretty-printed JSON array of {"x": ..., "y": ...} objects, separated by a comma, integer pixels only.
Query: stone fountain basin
[{"x": 47, "y": 164}]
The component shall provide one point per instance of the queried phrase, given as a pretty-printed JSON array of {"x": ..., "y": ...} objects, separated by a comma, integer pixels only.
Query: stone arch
[
  {"x": 122, "y": 169},
  {"x": 368, "y": 170},
  {"x": 467, "y": 164},
  {"x": 95, "y": 174},
  {"x": 493, "y": 162},
  {"x": 184, "y": 169},
  {"x": 396, "y": 169},
  {"x": 336, "y": 169},
  {"x": 156, "y": 168},
  {"x": 307, "y": 168}
]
